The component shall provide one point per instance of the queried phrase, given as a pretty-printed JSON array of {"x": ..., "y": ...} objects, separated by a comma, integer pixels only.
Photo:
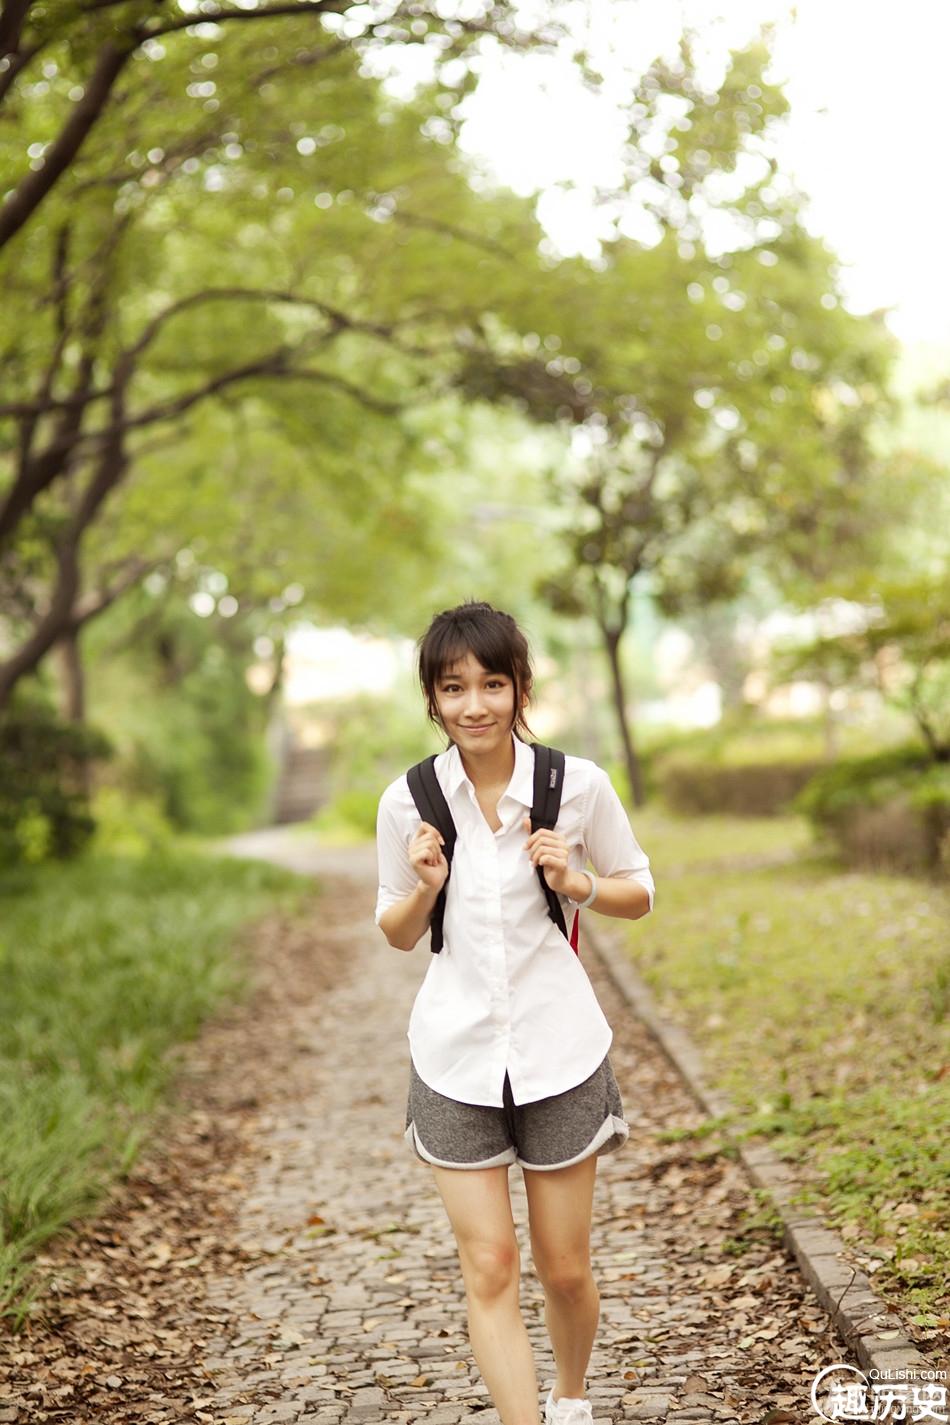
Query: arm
[
  {"x": 616, "y": 895},
  {"x": 405, "y": 922},
  {"x": 624, "y": 882},
  {"x": 411, "y": 872},
  {"x": 626, "y": 887}
]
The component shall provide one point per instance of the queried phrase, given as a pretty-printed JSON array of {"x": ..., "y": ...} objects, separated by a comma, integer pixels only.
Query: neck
[{"x": 494, "y": 769}]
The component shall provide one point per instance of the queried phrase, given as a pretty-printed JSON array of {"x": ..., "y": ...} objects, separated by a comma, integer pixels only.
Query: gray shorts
[{"x": 549, "y": 1133}]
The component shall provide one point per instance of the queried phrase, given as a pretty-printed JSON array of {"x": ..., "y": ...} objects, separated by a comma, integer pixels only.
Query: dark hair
[{"x": 495, "y": 640}]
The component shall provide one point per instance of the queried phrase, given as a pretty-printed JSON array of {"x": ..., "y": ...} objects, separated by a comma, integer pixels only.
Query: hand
[
  {"x": 550, "y": 850},
  {"x": 426, "y": 857}
]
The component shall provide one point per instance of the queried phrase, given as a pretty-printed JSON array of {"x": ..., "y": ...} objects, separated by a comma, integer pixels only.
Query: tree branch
[
  {"x": 31, "y": 190},
  {"x": 220, "y": 17},
  {"x": 419, "y": 220},
  {"x": 12, "y": 15},
  {"x": 91, "y": 605}
]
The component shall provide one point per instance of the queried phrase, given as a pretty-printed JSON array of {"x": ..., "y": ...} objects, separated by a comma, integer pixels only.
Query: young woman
[{"x": 508, "y": 1043}]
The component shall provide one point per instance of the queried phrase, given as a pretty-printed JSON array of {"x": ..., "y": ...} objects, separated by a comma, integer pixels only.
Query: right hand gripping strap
[{"x": 433, "y": 808}]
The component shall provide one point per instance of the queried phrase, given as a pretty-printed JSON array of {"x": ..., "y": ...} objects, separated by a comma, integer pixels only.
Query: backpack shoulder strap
[
  {"x": 548, "y": 785},
  {"x": 433, "y": 808}
]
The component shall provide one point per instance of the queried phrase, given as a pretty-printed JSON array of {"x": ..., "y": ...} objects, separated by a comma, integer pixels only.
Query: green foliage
[
  {"x": 372, "y": 741},
  {"x": 274, "y": 366},
  {"x": 742, "y": 738},
  {"x": 750, "y": 790},
  {"x": 861, "y": 781},
  {"x": 171, "y": 689},
  {"x": 901, "y": 647},
  {"x": 745, "y": 765},
  {"x": 891, "y": 807},
  {"x": 107, "y": 965},
  {"x": 129, "y": 825},
  {"x": 44, "y": 810}
]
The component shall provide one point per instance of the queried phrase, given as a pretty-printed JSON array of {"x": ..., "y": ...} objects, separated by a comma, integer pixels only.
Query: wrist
[
  {"x": 580, "y": 886},
  {"x": 427, "y": 893}
]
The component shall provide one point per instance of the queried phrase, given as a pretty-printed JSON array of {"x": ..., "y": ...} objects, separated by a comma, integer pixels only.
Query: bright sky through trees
[{"x": 866, "y": 80}]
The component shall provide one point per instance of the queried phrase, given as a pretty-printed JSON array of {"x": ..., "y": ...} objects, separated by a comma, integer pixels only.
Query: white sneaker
[{"x": 567, "y": 1410}]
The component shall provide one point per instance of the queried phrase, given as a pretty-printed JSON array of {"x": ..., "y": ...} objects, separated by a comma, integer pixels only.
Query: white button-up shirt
[{"x": 507, "y": 991}]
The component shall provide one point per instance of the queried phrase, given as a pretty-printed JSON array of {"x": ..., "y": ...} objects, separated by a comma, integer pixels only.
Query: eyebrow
[{"x": 444, "y": 677}]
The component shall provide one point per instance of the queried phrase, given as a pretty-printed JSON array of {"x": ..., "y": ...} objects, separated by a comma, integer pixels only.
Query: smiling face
[{"x": 476, "y": 706}]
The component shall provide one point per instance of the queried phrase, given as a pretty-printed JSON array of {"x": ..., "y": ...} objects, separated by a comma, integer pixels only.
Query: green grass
[
  {"x": 107, "y": 966},
  {"x": 820, "y": 997},
  {"x": 677, "y": 843}
]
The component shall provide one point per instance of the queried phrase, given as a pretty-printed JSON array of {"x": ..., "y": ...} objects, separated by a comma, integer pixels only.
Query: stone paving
[{"x": 355, "y": 1311}]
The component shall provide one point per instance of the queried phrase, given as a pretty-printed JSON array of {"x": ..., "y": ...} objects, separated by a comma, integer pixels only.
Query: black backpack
[{"x": 433, "y": 808}]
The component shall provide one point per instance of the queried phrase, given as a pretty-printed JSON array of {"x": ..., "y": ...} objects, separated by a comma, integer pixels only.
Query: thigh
[
  {"x": 560, "y": 1205},
  {"x": 478, "y": 1205}
]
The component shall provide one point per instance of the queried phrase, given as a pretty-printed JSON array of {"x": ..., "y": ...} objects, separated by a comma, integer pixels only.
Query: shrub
[
  {"x": 371, "y": 740},
  {"x": 892, "y": 808},
  {"x": 44, "y": 809},
  {"x": 750, "y": 790}
]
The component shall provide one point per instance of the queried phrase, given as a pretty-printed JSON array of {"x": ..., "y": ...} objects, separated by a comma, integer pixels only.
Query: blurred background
[{"x": 633, "y": 319}]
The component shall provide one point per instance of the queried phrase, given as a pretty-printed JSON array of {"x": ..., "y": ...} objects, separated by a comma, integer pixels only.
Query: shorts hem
[
  {"x": 412, "y": 1138},
  {"x": 612, "y": 1127}
]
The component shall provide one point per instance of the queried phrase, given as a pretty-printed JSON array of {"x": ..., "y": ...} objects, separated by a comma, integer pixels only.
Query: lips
[{"x": 482, "y": 728}]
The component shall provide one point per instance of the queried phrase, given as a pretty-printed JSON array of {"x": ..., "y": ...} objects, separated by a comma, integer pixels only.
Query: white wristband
[{"x": 593, "y": 890}]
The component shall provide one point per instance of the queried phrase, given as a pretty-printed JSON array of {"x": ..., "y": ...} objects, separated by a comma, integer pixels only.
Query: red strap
[{"x": 577, "y": 916}]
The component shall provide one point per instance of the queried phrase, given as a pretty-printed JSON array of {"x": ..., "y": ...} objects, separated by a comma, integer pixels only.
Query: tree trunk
[
  {"x": 631, "y": 760},
  {"x": 73, "y": 703},
  {"x": 51, "y": 626},
  {"x": 830, "y": 725},
  {"x": 73, "y": 677}
]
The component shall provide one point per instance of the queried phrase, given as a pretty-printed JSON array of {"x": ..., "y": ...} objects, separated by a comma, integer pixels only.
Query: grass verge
[
  {"x": 107, "y": 966},
  {"x": 820, "y": 997}
]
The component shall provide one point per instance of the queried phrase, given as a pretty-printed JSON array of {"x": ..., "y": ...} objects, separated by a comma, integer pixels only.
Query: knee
[
  {"x": 567, "y": 1279},
  {"x": 490, "y": 1269}
]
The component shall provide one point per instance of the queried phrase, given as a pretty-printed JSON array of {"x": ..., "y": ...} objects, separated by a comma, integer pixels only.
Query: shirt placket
[{"x": 493, "y": 940}]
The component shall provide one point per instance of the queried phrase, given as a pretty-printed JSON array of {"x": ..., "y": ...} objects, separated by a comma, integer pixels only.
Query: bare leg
[
  {"x": 559, "y": 1211},
  {"x": 479, "y": 1209}
]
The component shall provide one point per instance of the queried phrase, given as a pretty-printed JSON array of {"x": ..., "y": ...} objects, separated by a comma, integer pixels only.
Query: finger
[{"x": 551, "y": 858}]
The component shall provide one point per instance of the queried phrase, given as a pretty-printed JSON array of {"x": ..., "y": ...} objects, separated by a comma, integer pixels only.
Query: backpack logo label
[{"x": 552, "y": 780}]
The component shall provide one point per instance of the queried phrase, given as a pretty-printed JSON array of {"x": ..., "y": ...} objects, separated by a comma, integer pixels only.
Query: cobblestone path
[{"x": 357, "y": 1313}]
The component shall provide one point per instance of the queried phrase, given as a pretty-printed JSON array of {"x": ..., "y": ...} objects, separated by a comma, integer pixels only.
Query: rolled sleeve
[
  {"x": 610, "y": 842},
  {"x": 394, "y": 869}
]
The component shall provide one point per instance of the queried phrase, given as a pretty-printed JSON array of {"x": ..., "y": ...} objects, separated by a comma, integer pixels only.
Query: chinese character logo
[{"x": 841, "y": 1392}]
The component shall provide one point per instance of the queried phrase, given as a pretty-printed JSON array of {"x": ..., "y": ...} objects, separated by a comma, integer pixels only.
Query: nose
[{"x": 473, "y": 705}]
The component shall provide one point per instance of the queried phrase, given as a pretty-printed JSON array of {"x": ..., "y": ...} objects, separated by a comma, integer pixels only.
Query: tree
[
  {"x": 140, "y": 279},
  {"x": 886, "y": 623},
  {"x": 88, "y": 48},
  {"x": 722, "y": 402}
]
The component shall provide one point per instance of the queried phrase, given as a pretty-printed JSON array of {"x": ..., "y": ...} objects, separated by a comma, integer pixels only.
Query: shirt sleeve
[
  {"x": 611, "y": 844},
  {"x": 395, "y": 874}
]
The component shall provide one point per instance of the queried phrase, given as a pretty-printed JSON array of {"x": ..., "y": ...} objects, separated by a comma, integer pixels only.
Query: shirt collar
[{"x": 521, "y": 786}]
